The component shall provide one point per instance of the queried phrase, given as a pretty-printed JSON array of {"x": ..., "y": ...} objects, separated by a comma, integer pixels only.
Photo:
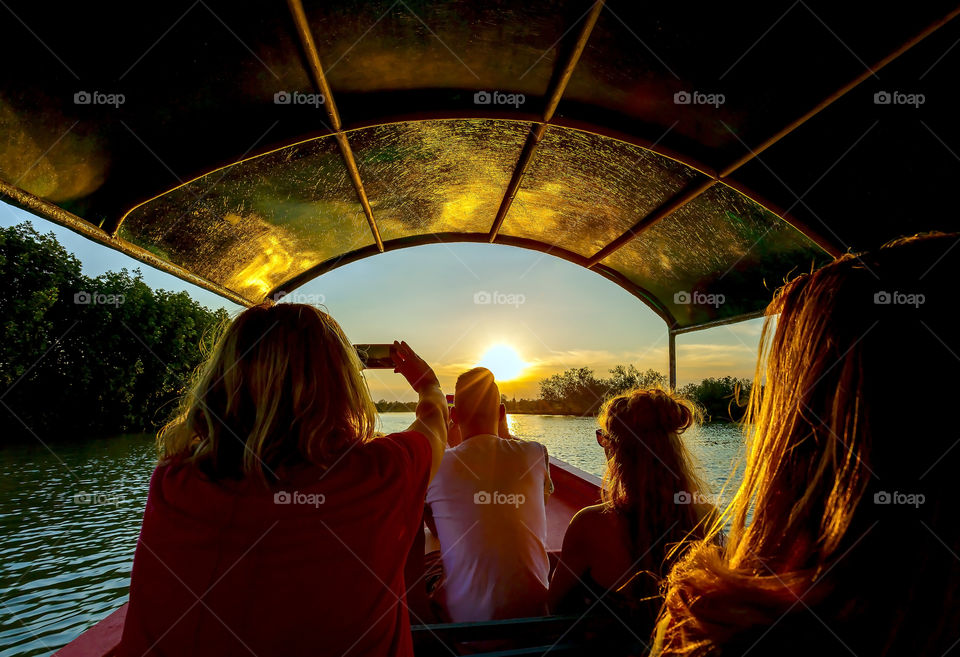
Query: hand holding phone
[
  {"x": 375, "y": 356},
  {"x": 413, "y": 368}
]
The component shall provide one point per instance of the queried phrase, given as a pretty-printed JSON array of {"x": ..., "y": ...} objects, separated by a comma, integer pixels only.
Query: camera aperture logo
[
  {"x": 697, "y": 298},
  {"x": 298, "y": 98},
  {"x": 498, "y": 98},
  {"x": 296, "y": 497},
  {"x": 898, "y": 98},
  {"x": 496, "y": 298},
  {"x": 698, "y": 98},
  {"x": 85, "y": 298},
  {"x": 498, "y": 498},
  {"x": 98, "y": 499},
  {"x": 897, "y": 298},
  {"x": 899, "y": 499},
  {"x": 300, "y": 297},
  {"x": 98, "y": 98},
  {"x": 696, "y": 497}
]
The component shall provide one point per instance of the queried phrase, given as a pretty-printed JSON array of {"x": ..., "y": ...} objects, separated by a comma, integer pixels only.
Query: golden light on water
[{"x": 504, "y": 361}]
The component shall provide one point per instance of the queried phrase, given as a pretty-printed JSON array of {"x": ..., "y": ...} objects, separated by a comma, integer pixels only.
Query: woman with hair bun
[{"x": 615, "y": 553}]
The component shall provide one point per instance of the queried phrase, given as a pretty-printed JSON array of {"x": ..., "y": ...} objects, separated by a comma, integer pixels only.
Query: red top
[{"x": 230, "y": 569}]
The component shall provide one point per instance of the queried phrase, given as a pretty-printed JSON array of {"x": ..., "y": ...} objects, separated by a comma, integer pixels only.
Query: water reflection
[{"x": 69, "y": 527}]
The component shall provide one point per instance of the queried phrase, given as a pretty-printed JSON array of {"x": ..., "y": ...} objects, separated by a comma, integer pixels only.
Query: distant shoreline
[
  {"x": 515, "y": 413},
  {"x": 717, "y": 421}
]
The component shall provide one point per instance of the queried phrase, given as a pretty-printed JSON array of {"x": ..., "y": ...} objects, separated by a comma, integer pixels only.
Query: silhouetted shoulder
[{"x": 590, "y": 517}]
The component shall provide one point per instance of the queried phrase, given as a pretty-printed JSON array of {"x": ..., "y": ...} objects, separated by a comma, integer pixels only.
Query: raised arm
[{"x": 431, "y": 418}]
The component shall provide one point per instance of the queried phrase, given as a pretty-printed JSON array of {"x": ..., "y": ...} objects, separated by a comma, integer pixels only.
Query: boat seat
[{"x": 539, "y": 635}]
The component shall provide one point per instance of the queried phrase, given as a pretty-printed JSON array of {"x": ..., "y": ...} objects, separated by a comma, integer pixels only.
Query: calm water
[{"x": 69, "y": 520}]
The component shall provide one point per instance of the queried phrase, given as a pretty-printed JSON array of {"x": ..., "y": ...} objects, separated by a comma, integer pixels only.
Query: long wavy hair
[
  {"x": 650, "y": 478},
  {"x": 282, "y": 386},
  {"x": 853, "y": 540}
]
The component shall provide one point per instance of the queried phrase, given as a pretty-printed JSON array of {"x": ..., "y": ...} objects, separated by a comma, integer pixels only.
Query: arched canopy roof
[{"x": 694, "y": 155}]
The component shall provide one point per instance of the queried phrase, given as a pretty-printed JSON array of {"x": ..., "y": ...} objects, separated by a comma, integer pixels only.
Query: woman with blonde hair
[
  {"x": 276, "y": 522},
  {"x": 615, "y": 553},
  {"x": 853, "y": 543}
]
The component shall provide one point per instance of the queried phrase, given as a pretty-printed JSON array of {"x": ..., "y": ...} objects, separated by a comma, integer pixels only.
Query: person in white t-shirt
[{"x": 487, "y": 507}]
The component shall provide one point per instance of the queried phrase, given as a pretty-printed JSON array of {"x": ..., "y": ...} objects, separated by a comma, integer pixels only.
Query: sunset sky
[{"x": 453, "y": 302}]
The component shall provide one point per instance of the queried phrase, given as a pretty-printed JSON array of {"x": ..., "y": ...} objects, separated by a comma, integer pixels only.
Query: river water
[{"x": 70, "y": 515}]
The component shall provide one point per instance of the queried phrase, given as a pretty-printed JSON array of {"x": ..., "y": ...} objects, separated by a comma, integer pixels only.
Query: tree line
[
  {"x": 578, "y": 391},
  {"x": 83, "y": 355}
]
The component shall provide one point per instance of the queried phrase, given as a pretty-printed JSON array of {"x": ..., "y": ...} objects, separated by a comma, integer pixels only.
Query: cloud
[
  {"x": 700, "y": 353},
  {"x": 696, "y": 362},
  {"x": 600, "y": 360}
]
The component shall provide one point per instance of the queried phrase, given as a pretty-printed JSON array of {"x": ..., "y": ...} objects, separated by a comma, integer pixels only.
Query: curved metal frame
[
  {"x": 36, "y": 205},
  {"x": 423, "y": 239},
  {"x": 113, "y": 241},
  {"x": 480, "y": 115},
  {"x": 708, "y": 180}
]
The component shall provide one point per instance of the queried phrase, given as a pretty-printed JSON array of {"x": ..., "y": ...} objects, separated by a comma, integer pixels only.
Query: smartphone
[{"x": 375, "y": 356}]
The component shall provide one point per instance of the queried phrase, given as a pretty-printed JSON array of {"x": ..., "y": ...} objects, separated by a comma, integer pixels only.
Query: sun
[{"x": 504, "y": 361}]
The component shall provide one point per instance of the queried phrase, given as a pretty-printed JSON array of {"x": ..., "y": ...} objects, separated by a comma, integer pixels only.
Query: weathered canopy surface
[{"x": 785, "y": 154}]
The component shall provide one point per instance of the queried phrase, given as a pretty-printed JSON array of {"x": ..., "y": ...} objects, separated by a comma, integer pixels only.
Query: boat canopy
[{"x": 696, "y": 155}]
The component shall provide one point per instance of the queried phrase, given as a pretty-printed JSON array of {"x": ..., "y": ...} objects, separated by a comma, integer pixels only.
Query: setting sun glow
[{"x": 504, "y": 361}]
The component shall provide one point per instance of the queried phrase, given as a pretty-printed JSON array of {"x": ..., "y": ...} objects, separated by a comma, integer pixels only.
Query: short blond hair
[{"x": 476, "y": 395}]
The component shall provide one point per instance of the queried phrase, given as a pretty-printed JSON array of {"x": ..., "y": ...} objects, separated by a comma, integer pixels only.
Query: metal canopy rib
[
  {"x": 38, "y": 206},
  {"x": 537, "y": 130},
  {"x": 316, "y": 71},
  {"x": 692, "y": 193}
]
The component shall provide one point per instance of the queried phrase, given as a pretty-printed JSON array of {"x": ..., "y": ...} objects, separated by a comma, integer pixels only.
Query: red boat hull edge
[{"x": 574, "y": 489}]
